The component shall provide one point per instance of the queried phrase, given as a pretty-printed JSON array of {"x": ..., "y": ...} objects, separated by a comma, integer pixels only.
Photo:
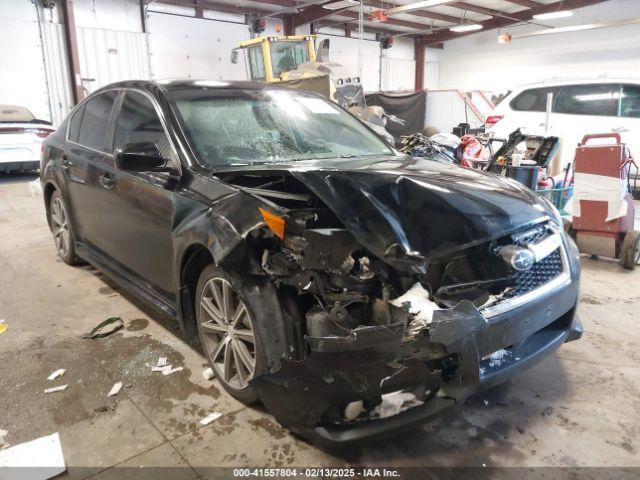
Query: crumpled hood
[{"x": 408, "y": 210}]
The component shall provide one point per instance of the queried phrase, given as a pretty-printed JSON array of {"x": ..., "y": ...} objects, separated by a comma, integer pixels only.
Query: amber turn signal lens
[{"x": 274, "y": 222}]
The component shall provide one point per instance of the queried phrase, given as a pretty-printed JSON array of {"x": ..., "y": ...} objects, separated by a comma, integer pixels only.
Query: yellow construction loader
[{"x": 294, "y": 62}]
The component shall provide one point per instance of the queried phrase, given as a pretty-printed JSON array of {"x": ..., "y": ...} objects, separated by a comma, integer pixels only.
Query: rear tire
[
  {"x": 226, "y": 312},
  {"x": 58, "y": 216},
  {"x": 630, "y": 250}
]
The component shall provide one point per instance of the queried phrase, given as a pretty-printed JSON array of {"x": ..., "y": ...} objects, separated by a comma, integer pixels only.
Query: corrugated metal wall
[
  {"x": 108, "y": 56},
  {"x": 184, "y": 47},
  {"x": 57, "y": 68}
]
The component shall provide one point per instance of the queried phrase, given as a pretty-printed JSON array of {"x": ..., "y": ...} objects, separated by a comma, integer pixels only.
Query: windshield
[
  {"x": 287, "y": 55},
  {"x": 246, "y": 127}
]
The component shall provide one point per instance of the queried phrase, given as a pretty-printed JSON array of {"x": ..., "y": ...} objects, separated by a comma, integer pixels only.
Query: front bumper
[{"x": 378, "y": 360}]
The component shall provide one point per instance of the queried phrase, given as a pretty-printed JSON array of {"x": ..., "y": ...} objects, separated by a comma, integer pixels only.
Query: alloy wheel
[
  {"x": 60, "y": 227},
  {"x": 228, "y": 335}
]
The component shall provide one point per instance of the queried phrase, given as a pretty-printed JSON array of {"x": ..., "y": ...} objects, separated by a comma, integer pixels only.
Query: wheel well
[
  {"x": 48, "y": 193},
  {"x": 195, "y": 259}
]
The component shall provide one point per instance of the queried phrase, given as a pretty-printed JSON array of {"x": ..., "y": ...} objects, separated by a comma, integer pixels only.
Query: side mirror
[
  {"x": 234, "y": 56},
  {"x": 140, "y": 157}
]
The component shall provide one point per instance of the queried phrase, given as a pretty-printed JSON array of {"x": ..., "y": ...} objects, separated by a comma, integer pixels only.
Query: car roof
[
  {"x": 561, "y": 81},
  {"x": 175, "y": 84}
]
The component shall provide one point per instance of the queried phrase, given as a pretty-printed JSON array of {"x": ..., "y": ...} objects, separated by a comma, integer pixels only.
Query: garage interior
[{"x": 576, "y": 412}]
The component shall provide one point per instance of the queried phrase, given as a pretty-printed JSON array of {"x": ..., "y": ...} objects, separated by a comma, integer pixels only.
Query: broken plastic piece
[
  {"x": 115, "y": 324},
  {"x": 3, "y": 327},
  {"x": 162, "y": 362},
  {"x": 59, "y": 388},
  {"x": 353, "y": 410},
  {"x": 168, "y": 370},
  {"x": 210, "y": 418},
  {"x": 395, "y": 403},
  {"x": 207, "y": 373},
  {"x": 419, "y": 305},
  {"x": 58, "y": 373},
  {"x": 115, "y": 389},
  {"x": 46, "y": 451},
  {"x": 275, "y": 222}
]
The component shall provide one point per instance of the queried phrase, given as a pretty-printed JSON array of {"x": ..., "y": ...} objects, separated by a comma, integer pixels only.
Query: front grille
[
  {"x": 540, "y": 273},
  {"x": 533, "y": 235}
]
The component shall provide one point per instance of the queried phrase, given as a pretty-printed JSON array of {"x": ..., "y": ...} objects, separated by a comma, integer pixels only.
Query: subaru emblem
[{"x": 518, "y": 258}]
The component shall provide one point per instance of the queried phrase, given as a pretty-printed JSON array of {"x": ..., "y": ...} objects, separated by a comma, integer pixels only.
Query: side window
[
  {"x": 95, "y": 120},
  {"x": 596, "y": 99},
  {"x": 256, "y": 62},
  {"x": 139, "y": 122},
  {"x": 74, "y": 124},
  {"x": 533, "y": 100},
  {"x": 630, "y": 101}
]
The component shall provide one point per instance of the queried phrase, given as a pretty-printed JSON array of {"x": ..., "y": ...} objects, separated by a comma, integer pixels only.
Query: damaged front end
[{"x": 383, "y": 335}]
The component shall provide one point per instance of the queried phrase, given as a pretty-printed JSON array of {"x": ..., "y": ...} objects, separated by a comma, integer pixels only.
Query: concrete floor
[{"x": 580, "y": 407}]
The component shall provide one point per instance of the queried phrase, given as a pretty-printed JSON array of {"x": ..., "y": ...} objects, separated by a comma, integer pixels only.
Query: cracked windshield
[{"x": 243, "y": 127}]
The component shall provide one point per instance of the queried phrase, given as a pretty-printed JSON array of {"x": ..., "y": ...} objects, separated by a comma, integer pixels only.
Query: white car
[
  {"x": 21, "y": 137},
  {"x": 579, "y": 107}
]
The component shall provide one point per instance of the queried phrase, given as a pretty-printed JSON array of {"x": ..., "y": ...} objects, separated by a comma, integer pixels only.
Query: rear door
[
  {"x": 137, "y": 208},
  {"x": 87, "y": 146},
  {"x": 580, "y": 110},
  {"x": 526, "y": 111}
]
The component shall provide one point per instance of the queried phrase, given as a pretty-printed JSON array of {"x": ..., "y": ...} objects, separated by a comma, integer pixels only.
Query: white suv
[{"x": 580, "y": 107}]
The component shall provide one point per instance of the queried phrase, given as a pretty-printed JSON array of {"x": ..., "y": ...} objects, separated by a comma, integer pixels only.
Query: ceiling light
[
  {"x": 552, "y": 15},
  {"x": 470, "y": 27},
  {"x": 417, "y": 6},
  {"x": 340, "y": 4}
]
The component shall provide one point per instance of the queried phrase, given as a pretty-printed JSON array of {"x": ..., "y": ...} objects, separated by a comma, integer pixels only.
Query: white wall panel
[
  {"x": 183, "y": 47},
  {"x": 108, "y": 56},
  {"x": 123, "y": 15},
  {"x": 345, "y": 51},
  {"x": 22, "y": 73},
  {"x": 479, "y": 62}
]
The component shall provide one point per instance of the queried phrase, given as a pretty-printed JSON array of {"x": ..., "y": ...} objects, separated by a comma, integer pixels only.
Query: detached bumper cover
[{"x": 377, "y": 360}]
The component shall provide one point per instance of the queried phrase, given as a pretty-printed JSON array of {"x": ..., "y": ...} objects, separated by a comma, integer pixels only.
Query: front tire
[
  {"x": 61, "y": 229},
  {"x": 226, "y": 318},
  {"x": 630, "y": 250}
]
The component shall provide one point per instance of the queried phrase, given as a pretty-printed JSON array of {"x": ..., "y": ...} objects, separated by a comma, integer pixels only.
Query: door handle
[
  {"x": 66, "y": 163},
  {"x": 107, "y": 181}
]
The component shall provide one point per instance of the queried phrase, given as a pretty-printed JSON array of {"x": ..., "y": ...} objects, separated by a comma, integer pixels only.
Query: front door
[
  {"x": 88, "y": 145},
  {"x": 137, "y": 208}
]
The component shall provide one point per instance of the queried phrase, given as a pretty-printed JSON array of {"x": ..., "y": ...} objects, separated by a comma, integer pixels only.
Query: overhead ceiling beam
[
  {"x": 421, "y": 27},
  {"x": 515, "y": 17},
  {"x": 421, "y": 13},
  {"x": 217, "y": 7},
  {"x": 314, "y": 13},
  {"x": 525, "y": 3},
  {"x": 476, "y": 8}
]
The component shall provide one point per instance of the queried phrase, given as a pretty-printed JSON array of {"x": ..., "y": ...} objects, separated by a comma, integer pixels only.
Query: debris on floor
[
  {"x": 59, "y": 388},
  {"x": 210, "y": 418},
  {"x": 47, "y": 451},
  {"x": 168, "y": 370},
  {"x": 115, "y": 389},
  {"x": 35, "y": 187},
  {"x": 100, "y": 331},
  {"x": 395, "y": 403},
  {"x": 162, "y": 362},
  {"x": 207, "y": 373},
  {"x": 3, "y": 327},
  {"x": 57, "y": 374}
]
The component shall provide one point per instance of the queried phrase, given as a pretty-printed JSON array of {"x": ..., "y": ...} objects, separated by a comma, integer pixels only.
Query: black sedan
[{"x": 353, "y": 290}]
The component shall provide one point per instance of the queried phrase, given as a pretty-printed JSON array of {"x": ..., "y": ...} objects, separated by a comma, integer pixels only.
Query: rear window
[
  {"x": 15, "y": 114},
  {"x": 630, "y": 101},
  {"x": 596, "y": 99},
  {"x": 533, "y": 100},
  {"x": 74, "y": 124},
  {"x": 95, "y": 120}
]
